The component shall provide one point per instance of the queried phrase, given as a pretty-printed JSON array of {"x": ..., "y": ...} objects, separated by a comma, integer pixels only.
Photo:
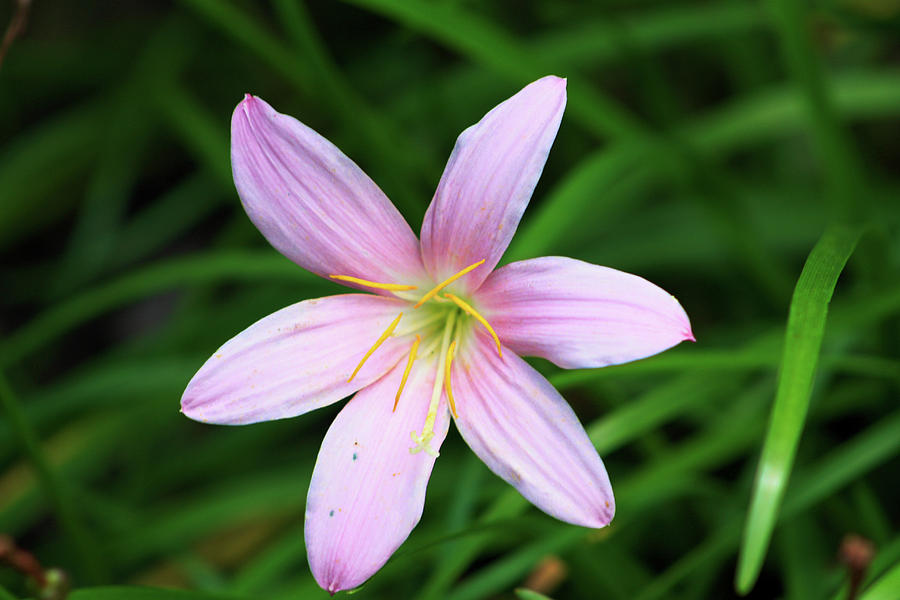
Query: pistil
[{"x": 422, "y": 440}]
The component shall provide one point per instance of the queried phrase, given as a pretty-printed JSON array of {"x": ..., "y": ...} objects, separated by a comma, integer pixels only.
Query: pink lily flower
[{"x": 440, "y": 335}]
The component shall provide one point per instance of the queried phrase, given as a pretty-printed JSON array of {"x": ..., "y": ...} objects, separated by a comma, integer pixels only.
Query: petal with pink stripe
[
  {"x": 313, "y": 204},
  {"x": 580, "y": 315},
  {"x": 295, "y": 360},
  {"x": 367, "y": 489},
  {"x": 526, "y": 433},
  {"x": 488, "y": 182}
]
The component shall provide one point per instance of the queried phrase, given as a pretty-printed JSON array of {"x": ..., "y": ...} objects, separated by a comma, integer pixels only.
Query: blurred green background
[{"x": 719, "y": 149}]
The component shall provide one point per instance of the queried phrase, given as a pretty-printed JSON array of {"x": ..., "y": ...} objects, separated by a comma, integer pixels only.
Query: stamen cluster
[{"x": 447, "y": 308}]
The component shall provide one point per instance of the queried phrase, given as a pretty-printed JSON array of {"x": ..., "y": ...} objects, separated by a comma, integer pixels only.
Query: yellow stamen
[
  {"x": 409, "y": 363},
  {"x": 447, "y": 378},
  {"x": 422, "y": 439},
  {"x": 394, "y": 287},
  {"x": 445, "y": 283},
  {"x": 469, "y": 310},
  {"x": 384, "y": 336}
]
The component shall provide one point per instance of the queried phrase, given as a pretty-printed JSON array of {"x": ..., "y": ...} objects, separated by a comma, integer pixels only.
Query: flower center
[{"x": 440, "y": 325}]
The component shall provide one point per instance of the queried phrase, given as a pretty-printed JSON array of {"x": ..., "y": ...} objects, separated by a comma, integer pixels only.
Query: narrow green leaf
[
  {"x": 526, "y": 594},
  {"x": 54, "y": 488},
  {"x": 145, "y": 593},
  {"x": 842, "y": 169},
  {"x": 41, "y": 161},
  {"x": 487, "y": 44},
  {"x": 803, "y": 340},
  {"x": 886, "y": 587},
  {"x": 307, "y": 72},
  {"x": 139, "y": 284},
  {"x": 249, "y": 33},
  {"x": 864, "y": 452},
  {"x": 201, "y": 133},
  {"x": 5, "y": 595},
  {"x": 655, "y": 29}
]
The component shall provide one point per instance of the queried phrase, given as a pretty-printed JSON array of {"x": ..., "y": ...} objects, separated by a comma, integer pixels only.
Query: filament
[
  {"x": 409, "y": 364},
  {"x": 378, "y": 342},
  {"x": 447, "y": 378},
  {"x": 471, "y": 311},
  {"x": 445, "y": 283},
  {"x": 394, "y": 287}
]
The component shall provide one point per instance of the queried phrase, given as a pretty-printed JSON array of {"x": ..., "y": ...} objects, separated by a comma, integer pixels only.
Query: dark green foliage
[{"x": 745, "y": 157}]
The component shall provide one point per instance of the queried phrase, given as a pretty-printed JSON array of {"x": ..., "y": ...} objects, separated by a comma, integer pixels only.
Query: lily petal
[
  {"x": 295, "y": 360},
  {"x": 580, "y": 315},
  {"x": 313, "y": 204},
  {"x": 526, "y": 433},
  {"x": 367, "y": 489},
  {"x": 488, "y": 182}
]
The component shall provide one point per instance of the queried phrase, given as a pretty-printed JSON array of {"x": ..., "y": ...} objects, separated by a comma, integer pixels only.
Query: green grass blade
[
  {"x": 803, "y": 339},
  {"x": 40, "y": 162},
  {"x": 842, "y": 167},
  {"x": 205, "y": 137},
  {"x": 146, "y": 593},
  {"x": 886, "y": 587},
  {"x": 162, "y": 276},
  {"x": 526, "y": 594},
  {"x": 483, "y": 42},
  {"x": 53, "y": 487}
]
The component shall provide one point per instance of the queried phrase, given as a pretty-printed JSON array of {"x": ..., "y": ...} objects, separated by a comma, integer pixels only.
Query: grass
[{"x": 742, "y": 157}]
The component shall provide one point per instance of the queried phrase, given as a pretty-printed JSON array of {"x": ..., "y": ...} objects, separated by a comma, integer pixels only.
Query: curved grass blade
[
  {"x": 886, "y": 587},
  {"x": 490, "y": 45},
  {"x": 145, "y": 593},
  {"x": 53, "y": 486},
  {"x": 875, "y": 445},
  {"x": 803, "y": 340},
  {"x": 246, "y": 266},
  {"x": 526, "y": 594}
]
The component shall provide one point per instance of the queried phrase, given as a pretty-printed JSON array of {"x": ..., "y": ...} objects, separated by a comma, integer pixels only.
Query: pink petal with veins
[
  {"x": 488, "y": 182},
  {"x": 295, "y": 360},
  {"x": 526, "y": 433},
  {"x": 368, "y": 490},
  {"x": 314, "y": 204},
  {"x": 580, "y": 315}
]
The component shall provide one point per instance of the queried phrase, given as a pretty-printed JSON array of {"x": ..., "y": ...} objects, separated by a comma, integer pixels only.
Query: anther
[
  {"x": 378, "y": 342},
  {"x": 445, "y": 283},
  {"x": 447, "y": 378},
  {"x": 393, "y": 287},
  {"x": 471, "y": 311},
  {"x": 409, "y": 364}
]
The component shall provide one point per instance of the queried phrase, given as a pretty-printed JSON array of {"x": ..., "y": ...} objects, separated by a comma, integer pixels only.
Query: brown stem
[
  {"x": 15, "y": 27},
  {"x": 21, "y": 561},
  {"x": 856, "y": 552}
]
